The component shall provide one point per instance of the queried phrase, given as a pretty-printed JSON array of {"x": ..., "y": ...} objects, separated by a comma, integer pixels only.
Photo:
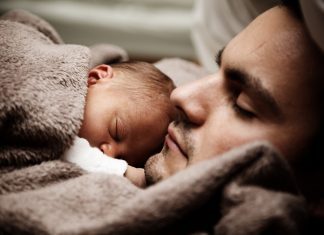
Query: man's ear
[{"x": 102, "y": 71}]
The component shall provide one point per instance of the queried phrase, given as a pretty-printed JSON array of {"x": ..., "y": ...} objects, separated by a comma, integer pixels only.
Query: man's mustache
[
  {"x": 181, "y": 120},
  {"x": 184, "y": 127}
]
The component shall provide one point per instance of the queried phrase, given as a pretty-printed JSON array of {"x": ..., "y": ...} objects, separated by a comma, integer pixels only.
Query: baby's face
[{"x": 121, "y": 127}]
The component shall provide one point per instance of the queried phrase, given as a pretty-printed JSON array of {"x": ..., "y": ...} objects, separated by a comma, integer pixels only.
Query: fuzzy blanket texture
[{"x": 249, "y": 190}]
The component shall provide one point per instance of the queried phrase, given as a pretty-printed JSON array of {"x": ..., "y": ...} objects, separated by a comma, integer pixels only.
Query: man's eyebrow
[
  {"x": 218, "y": 57},
  {"x": 254, "y": 85}
]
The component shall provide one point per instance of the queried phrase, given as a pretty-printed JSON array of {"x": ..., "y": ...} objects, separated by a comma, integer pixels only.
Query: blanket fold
[
  {"x": 43, "y": 88},
  {"x": 104, "y": 204},
  {"x": 249, "y": 190}
]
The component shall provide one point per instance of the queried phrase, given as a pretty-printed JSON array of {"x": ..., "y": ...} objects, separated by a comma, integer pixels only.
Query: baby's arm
[
  {"x": 92, "y": 159},
  {"x": 136, "y": 176}
]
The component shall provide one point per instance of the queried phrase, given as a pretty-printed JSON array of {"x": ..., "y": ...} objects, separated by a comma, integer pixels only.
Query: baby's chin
[{"x": 154, "y": 169}]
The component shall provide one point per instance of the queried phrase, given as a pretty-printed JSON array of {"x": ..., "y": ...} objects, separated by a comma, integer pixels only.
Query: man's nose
[
  {"x": 191, "y": 100},
  {"x": 109, "y": 149}
]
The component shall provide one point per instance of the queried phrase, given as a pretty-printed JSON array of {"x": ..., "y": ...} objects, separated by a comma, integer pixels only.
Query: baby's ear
[{"x": 102, "y": 71}]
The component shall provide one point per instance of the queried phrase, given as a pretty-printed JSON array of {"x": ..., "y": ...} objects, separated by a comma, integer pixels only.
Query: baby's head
[{"x": 127, "y": 110}]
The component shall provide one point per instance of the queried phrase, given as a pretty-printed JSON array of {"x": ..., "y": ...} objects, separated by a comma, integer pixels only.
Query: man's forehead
[
  {"x": 276, "y": 17},
  {"x": 274, "y": 46},
  {"x": 277, "y": 61},
  {"x": 276, "y": 27}
]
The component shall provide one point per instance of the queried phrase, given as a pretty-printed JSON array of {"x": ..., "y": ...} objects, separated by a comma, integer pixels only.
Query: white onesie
[{"x": 92, "y": 159}]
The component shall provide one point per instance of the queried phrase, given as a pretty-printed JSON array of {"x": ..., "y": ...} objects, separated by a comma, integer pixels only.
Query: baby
[{"x": 127, "y": 113}]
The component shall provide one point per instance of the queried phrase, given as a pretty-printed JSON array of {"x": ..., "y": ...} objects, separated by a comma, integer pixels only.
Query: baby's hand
[{"x": 136, "y": 176}]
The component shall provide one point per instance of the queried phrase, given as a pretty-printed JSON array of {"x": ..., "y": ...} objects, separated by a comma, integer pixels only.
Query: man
[{"x": 269, "y": 86}]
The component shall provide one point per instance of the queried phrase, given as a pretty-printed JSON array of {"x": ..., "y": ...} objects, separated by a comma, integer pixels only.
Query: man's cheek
[{"x": 155, "y": 169}]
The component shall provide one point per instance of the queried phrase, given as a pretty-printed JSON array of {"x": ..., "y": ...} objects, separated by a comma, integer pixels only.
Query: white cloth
[
  {"x": 92, "y": 159},
  {"x": 216, "y": 22}
]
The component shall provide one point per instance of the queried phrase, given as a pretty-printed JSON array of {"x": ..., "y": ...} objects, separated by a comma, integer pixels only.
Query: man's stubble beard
[{"x": 155, "y": 169}]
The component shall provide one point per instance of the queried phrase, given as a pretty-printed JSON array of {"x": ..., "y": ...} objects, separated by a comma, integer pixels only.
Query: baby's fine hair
[
  {"x": 146, "y": 84},
  {"x": 146, "y": 76}
]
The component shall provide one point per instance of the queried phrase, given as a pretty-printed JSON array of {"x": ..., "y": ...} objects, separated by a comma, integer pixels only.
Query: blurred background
[{"x": 148, "y": 29}]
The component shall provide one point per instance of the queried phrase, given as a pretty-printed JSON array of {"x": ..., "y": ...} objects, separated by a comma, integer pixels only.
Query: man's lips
[{"x": 172, "y": 143}]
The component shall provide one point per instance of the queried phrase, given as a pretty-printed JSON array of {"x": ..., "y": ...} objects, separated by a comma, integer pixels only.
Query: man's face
[
  {"x": 118, "y": 125},
  {"x": 262, "y": 91}
]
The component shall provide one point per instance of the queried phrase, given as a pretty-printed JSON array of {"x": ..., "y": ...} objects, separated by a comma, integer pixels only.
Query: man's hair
[
  {"x": 146, "y": 84},
  {"x": 293, "y": 6},
  {"x": 314, "y": 157}
]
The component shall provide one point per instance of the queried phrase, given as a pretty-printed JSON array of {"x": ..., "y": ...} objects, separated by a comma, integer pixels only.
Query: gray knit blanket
[{"x": 249, "y": 190}]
